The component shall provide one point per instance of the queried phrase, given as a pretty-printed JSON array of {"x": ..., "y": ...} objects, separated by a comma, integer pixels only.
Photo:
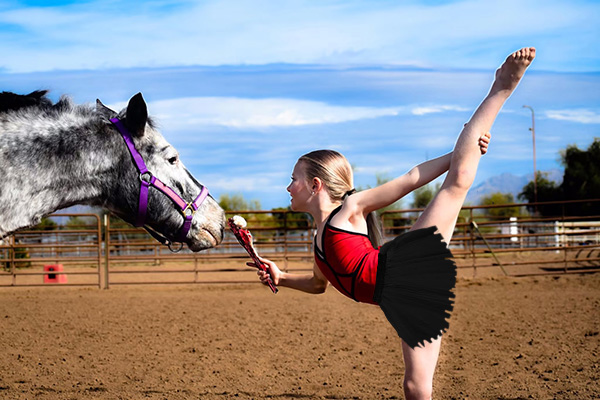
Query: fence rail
[
  {"x": 85, "y": 250},
  {"x": 77, "y": 249}
]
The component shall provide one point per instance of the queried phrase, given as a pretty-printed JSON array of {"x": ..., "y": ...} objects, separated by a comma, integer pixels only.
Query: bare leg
[
  {"x": 443, "y": 210},
  {"x": 420, "y": 365}
]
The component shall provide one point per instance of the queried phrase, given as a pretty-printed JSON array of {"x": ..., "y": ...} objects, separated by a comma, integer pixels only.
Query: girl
[{"x": 411, "y": 278}]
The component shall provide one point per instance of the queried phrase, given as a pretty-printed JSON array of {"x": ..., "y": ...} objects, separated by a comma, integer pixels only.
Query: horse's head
[{"x": 172, "y": 192}]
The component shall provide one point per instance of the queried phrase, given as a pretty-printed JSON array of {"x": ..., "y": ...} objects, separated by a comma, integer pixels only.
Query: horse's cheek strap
[{"x": 143, "y": 204}]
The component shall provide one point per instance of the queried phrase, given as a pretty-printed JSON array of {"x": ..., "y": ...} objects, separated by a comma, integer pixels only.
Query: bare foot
[{"x": 510, "y": 73}]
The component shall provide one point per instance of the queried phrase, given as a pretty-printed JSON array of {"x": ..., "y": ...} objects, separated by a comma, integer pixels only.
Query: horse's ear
[
  {"x": 137, "y": 115},
  {"x": 103, "y": 110}
]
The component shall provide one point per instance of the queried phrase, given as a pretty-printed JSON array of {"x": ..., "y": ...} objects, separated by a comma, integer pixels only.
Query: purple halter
[{"x": 147, "y": 180}]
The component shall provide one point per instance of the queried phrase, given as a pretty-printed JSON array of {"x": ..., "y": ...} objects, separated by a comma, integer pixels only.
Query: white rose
[{"x": 239, "y": 221}]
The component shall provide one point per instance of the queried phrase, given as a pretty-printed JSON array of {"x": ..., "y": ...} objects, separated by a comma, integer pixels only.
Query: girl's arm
[
  {"x": 315, "y": 283},
  {"x": 392, "y": 191},
  {"x": 382, "y": 196}
]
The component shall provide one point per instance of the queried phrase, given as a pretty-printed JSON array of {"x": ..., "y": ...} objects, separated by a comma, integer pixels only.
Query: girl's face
[{"x": 299, "y": 191}]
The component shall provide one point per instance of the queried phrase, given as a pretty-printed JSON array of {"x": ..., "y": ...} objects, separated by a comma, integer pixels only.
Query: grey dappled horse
[{"x": 57, "y": 155}]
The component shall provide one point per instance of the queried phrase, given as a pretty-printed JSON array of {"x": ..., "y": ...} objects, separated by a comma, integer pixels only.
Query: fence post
[
  {"x": 106, "y": 249},
  {"x": 11, "y": 259},
  {"x": 565, "y": 238},
  {"x": 99, "y": 226},
  {"x": 472, "y": 243}
]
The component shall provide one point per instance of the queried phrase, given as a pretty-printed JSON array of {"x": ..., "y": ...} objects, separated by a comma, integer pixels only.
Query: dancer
[{"x": 412, "y": 277}]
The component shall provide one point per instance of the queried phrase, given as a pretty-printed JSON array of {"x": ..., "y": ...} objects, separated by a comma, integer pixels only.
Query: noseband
[{"x": 147, "y": 180}]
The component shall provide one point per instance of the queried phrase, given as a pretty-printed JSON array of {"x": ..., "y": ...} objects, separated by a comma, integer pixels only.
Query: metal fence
[
  {"x": 65, "y": 253},
  {"x": 136, "y": 258},
  {"x": 515, "y": 240},
  {"x": 86, "y": 250}
]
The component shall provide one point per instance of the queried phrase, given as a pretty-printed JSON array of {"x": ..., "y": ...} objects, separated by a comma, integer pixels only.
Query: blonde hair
[{"x": 334, "y": 170}]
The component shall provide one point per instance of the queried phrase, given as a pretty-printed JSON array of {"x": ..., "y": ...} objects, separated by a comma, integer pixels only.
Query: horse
[{"x": 55, "y": 155}]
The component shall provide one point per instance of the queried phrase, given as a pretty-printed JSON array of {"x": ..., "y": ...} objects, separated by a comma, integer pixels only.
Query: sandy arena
[{"x": 509, "y": 338}]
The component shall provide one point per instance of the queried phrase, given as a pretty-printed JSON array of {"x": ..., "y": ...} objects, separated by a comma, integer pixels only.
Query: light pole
[{"x": 532, "y": 129}]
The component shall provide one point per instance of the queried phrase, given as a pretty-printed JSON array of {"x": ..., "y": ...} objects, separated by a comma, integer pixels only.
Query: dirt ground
[{"x": 509, "y": 338}]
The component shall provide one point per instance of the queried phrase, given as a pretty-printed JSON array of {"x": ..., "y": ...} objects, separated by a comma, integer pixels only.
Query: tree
[
  {"x": 423, "y": 195},
  {"x": 294, "y": 220},
  {"x": 236, "y": 202},
  {"x": 547, "y": 190},
  {"x": 581, "y": 180},
  {"x": 499, "y": 198},
  {"x": 46, "y": 224},
  {"x": 77, "y": 223}
]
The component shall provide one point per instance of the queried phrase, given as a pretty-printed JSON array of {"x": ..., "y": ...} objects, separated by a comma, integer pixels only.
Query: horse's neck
[{"x": 46, "y": 166}]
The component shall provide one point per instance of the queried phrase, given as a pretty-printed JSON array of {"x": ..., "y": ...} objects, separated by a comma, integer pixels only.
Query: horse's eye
[{"x": 173, "y": 160}]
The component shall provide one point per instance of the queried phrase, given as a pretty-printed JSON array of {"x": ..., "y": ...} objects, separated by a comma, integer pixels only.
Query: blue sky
[{"x": 243, "y": 88}]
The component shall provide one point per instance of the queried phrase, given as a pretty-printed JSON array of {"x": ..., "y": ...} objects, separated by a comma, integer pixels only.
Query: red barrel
[{"x": 54, "y": 278}]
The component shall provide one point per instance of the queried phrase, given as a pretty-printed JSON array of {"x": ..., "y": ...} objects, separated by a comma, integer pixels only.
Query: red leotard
[{"x": 349, "y": 261}]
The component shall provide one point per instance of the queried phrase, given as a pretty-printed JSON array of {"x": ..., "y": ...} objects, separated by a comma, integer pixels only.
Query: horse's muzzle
[{"x": 208, "y": 227}]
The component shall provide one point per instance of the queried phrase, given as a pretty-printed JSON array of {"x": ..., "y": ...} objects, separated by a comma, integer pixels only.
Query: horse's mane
[
  {"x": 13, "y": 102},
  {"x": 38, "y": 102}
]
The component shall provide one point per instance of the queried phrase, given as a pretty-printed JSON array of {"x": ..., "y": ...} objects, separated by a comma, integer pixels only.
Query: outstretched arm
[
  {"x": 420, "y": 175},
  {"x": 392, "y": 191},
  {"x": 315, "y": 283}
]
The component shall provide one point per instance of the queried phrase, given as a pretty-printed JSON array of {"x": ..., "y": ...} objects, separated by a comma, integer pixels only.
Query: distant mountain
[{"x": 507, "y": 183}]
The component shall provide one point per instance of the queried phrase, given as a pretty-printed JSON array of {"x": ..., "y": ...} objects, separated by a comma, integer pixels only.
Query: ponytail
[{"x": 375, "y": 232}]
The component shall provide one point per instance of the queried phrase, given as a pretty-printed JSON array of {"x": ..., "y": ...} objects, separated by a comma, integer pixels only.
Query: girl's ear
[{"x": 317, "y": 184}]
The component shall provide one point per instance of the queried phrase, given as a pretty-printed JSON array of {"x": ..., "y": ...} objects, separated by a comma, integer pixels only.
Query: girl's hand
[
  {"x": 484, "y": 141},
  {"x": 274, "y": 273}
]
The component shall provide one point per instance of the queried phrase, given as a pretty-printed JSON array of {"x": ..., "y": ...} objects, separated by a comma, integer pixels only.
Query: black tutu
[{"x": 415, "y": 279}]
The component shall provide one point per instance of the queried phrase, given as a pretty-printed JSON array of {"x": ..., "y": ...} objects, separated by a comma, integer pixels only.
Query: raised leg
[
  {"x": 420, "y": 362},
  {"x": 445, "y": 206}
]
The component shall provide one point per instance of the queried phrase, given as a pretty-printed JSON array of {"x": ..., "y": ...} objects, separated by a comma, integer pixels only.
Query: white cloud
[
  {"x": 98, "y": 34},
  {"x": 234, "y": 112},
  {"x": 583, "y": 116},
  {"x": 243, "y": 113},
  {"x": 437, "y": 109}
]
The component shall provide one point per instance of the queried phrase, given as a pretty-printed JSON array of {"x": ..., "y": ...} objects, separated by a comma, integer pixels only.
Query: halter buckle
[
  {"x": 146, "y": 177},
  {"x": 188, "y": 211}
]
